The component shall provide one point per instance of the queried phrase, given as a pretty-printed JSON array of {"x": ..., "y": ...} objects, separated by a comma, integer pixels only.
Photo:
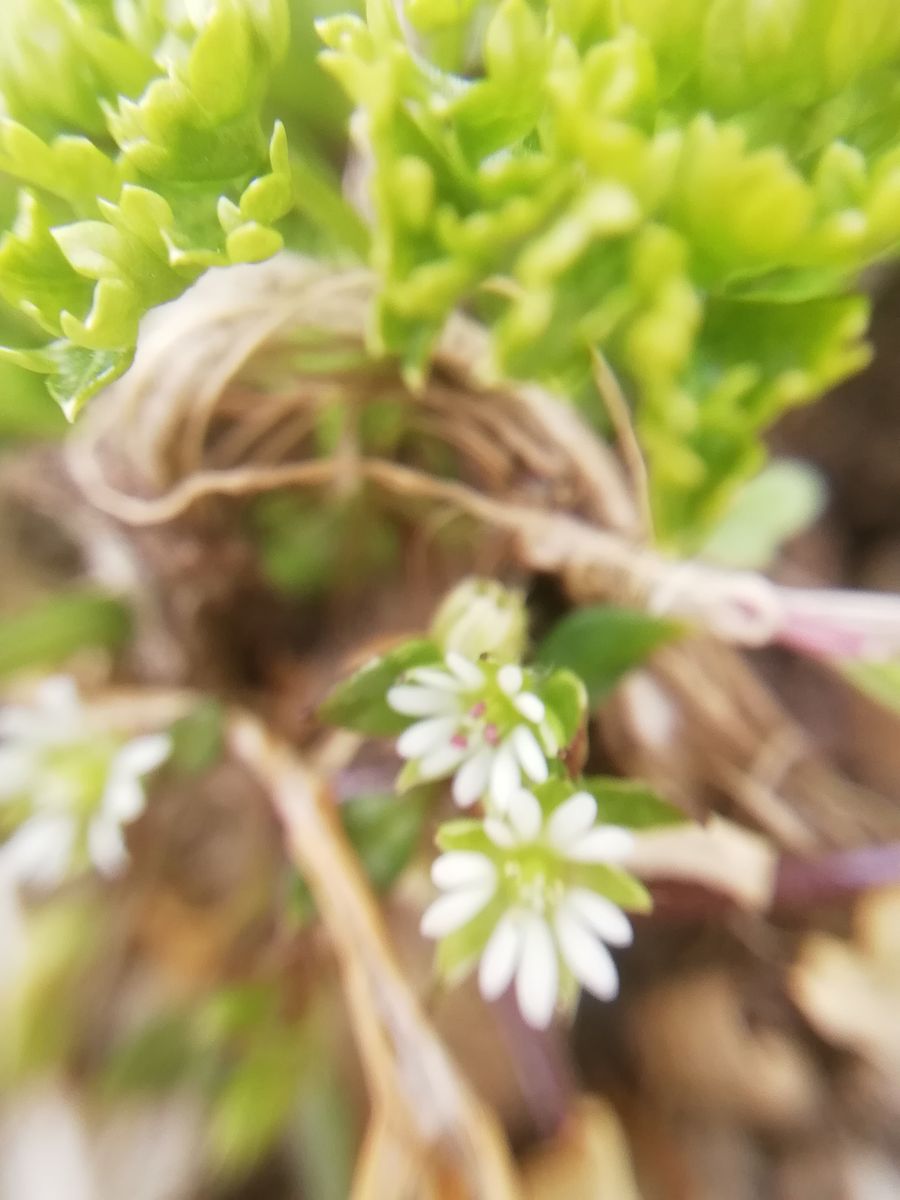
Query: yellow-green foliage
[
  {"x": 692, "y": 185},
  {"x": 133, "y": 129}
]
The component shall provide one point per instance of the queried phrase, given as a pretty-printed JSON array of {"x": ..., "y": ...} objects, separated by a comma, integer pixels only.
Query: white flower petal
[
  {"x": 499, "y": 833},
  {"x": 20, "y": 724},
  {"x": 423, "y": 737},
  {"x": 585, "y": 956},
  {"x": 420, "y": 701},
  {"x": 525, "y": 816},
  {"x": 529, "y": 754},
  {"x": 106, "y": 846},
  {"x": 40, "y": 851},
  {"x": 531, "y": 707},
  {"x": 603, "y": 843},
  {"x": 602, "y": 916},
  {"x": 464, "y": 669},
  {"x": 123, "y": 798},
  {"x": 453, "y": 910},
  {"x": 472, "y": 777},
  {"x": 441, "y": 762},
  {"x": 17, "y": 768},
  {"x": 432, "y": 677},
  {"x": 501, "y": 956},
  {"x": 142, "y": 755},
  {"x": 537, "y": 976},
  {"x": 510, "y": 678},
  {"x": 572, "y": 819},
  {"x": 59, "y": 695},
  {"x": 505, "y": 775},
  {"x": 462, "y": 869}
]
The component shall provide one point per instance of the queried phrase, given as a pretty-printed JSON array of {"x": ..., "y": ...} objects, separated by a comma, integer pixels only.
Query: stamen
[
  {"x": 478, "y": 710},
  {"x": 491, "y": 734},
  {"x": 460, "y": 741}
]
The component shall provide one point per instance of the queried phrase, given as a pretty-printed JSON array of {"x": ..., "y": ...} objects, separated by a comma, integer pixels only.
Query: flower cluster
[
  {"x": 68, "y": 788},
  {"x": 519, "y": 896},
  {"x": 532, "y": 886}
]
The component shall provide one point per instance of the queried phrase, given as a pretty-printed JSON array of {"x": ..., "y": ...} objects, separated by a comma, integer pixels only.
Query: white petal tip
[
  {"x": 531, "y": 707},
  {"x": 510, "y": 679}
]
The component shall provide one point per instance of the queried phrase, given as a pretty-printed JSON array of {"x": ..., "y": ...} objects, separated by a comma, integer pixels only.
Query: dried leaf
[
  {"x": 850, "y": 991},
  {"x": 720, "y": 856},
  {"x": 698, "y": 1051},
  {"x": 588, "y": 1160}
]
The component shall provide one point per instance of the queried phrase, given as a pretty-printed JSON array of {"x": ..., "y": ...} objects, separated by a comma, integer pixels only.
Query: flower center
[
  {"x": 530, "y": 879},
  {"x": 488, "y": 715},
  {"x": 72, "y": 778}
]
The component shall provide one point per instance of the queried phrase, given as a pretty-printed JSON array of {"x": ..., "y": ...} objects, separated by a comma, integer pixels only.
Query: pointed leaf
[
  {"x": 360, "y": 702},
  {"x": 630, "y": 804},
  {"x": 603, "y": 643}
]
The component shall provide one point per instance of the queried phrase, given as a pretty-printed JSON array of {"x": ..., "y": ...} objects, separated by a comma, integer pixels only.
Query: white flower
[
  {"x": 545, "y": 915},
  {"x": 81, "y": 786},
  {"x": 478, "y": 723}
]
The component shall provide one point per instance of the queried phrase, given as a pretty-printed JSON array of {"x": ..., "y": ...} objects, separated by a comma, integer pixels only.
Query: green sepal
[
  {"x": 458, "y": 952},
  {"x": 565, "y": 698},
  {"x": 462, "y": 834},
  {"x": 630, "y": 804},
  {"x": 616, "y": 885}
]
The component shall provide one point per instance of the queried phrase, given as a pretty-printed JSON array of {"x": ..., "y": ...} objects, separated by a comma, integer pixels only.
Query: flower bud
[{"x": 481, "y": 616}]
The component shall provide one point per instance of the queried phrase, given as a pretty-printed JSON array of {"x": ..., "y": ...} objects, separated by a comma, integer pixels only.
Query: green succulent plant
[{"x": 691, "y": 187}]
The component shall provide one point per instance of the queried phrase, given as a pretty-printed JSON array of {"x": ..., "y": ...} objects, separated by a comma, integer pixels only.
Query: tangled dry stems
[{"x": 226, "y": 398}]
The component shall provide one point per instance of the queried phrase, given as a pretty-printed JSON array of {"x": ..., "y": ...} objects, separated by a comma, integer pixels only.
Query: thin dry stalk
[{"x": 420, "y": 1100}]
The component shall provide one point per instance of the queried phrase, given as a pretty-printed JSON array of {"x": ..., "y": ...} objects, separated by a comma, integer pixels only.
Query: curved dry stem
[{"x": 583, "y": 520}]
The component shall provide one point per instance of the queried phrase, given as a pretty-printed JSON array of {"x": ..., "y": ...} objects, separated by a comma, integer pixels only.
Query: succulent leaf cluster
[
  {"x": 133, "y": 133},
  {"x": 691, "y": 187}
]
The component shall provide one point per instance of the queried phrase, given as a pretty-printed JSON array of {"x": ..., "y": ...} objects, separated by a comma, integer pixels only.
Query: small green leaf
[
  {"x": 253, "y": 1106},
  {"x": 385, "y": 832},
  {"x": 782, "y": 501},
  {"x": 47, "y": 633},
  {"x": 602, "y": 643},
  {"x": 79, "y": 373},
  {"x": 154, "y": 1060},
  {"x": 198, "y": 738},
  {"x": 360, "y": 702},
  {"x": 220, "y": 70},
  {"x": 630, "y": 804},
  {"x": 879, "y": 680}
]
